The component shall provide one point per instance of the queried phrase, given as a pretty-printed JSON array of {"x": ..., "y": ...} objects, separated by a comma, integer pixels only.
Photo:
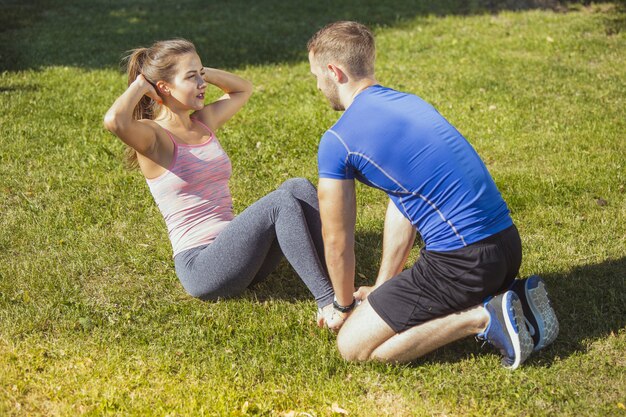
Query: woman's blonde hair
[{"x": 158, "y": 62}]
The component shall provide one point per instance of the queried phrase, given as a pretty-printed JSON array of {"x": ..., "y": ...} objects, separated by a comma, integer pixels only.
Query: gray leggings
[{"x": 286, "y": 221}]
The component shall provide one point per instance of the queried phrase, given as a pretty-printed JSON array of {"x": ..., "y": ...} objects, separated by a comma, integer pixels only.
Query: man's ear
[
  {"x": 162, "y": 88},
  {"x": 336, "y": 73}
]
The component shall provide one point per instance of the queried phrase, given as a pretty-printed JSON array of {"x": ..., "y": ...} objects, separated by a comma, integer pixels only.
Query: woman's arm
[
  {"x": 119, "y": 118},
  {"x": 237, "y": 92}
]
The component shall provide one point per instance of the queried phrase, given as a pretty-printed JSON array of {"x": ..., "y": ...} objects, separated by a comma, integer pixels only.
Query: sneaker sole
[
  {"x": 539, "y": 304},
  {"x": 516, "y": 327}
]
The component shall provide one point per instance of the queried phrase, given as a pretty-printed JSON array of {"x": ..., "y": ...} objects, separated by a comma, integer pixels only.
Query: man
[{"x": 437, "y": 185}]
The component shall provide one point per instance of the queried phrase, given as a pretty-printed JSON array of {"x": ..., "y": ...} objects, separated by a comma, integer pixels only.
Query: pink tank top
[{"x": 193, "y": 194}]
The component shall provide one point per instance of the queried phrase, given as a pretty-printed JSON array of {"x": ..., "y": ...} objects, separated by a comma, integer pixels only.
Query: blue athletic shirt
[{"x": 400, "y": 144}]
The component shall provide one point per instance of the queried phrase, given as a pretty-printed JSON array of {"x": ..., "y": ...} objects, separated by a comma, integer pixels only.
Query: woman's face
[{"x": 188, "y": 86}]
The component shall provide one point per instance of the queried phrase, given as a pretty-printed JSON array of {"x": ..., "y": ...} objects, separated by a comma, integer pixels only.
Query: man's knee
[
  {"x": 352, "y": 346},
  {"x": 362, "y": 334},
  {"x": 350, "y": 350}
]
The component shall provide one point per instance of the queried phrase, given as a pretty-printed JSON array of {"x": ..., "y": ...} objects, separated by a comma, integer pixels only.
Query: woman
[{"x": 163, "y": 119}]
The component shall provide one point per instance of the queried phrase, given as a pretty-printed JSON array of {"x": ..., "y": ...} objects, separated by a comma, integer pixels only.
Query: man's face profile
[{"x": 326, "y": 84}]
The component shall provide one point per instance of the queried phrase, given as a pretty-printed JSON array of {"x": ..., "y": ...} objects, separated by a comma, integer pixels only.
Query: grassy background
[{"x": 92, "y": 318}]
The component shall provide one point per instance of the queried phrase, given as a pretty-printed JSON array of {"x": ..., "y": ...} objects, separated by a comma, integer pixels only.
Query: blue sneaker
[
  {"x": 540, "y": 316},
  {"x": 506, "y": 330}
]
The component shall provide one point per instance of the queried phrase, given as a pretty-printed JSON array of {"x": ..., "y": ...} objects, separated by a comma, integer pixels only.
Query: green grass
[{"x": 93, "y": 320}]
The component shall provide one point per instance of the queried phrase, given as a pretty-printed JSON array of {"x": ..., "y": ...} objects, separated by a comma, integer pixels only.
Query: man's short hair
[{"x": 348, "y": 43}]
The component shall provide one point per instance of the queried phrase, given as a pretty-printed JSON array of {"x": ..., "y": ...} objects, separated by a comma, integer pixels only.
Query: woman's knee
[
  {"x": 284, "y": 199},
  {"x": 298, "y": 185}
]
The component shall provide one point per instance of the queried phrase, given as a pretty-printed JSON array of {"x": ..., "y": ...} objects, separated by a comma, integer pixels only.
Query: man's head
[{"x": 339, "y": 52}]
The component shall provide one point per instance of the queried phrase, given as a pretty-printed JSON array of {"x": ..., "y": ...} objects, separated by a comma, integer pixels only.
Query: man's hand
[
  {"x": 331, "y": 318},
  {"x": 362, "y": 293},
  {"x": 336, "y": 320}
]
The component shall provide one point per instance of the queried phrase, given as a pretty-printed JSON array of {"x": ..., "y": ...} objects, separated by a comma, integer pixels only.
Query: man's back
[{"x": 400, "y": 144}]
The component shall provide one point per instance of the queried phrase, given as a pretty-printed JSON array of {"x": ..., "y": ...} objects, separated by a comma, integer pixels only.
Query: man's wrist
[{"x": 344, "y": 309}]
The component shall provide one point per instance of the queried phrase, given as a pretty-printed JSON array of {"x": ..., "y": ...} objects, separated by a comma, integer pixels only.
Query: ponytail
[{"x": 145, "y": 109}]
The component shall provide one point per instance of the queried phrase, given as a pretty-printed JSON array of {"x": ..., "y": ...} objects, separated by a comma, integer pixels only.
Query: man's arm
[
  {"x": 398, "y": 239},
  {"x": 337, "y": 200}
]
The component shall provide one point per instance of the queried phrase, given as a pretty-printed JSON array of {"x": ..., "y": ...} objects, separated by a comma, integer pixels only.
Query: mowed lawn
[{"x": 93, "y": 320}]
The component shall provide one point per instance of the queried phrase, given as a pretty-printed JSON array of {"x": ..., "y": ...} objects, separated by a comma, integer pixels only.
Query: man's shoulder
[
  {"x": 380, "y": 92},
  {"x": 378, "y": 101},
  {"x": 332, "y": 137}
]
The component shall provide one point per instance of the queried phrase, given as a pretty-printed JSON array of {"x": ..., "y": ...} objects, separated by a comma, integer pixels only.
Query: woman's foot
[{"x": 324, "y": 314}]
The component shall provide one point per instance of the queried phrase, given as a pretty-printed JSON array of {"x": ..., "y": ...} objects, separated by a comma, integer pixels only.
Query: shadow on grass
[{"x": 228, "y": 33}]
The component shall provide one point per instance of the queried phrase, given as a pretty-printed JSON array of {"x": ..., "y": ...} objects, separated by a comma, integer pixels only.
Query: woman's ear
[{"x": 162, "y": 88}]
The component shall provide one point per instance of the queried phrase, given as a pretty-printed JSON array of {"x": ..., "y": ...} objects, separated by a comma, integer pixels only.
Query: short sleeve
[{"x": 332, "y": 158}]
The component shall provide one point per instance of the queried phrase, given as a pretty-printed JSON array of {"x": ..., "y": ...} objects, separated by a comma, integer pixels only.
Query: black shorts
[{"x": 441, "y": 283}]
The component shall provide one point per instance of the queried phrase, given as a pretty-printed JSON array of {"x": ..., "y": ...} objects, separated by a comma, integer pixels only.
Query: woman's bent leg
[
  {"x": 228, "y": 265},
  {"x": 306, "y": 194},
  {"x": 296, "y": 242},
  {"x": 273, "y": 258}
]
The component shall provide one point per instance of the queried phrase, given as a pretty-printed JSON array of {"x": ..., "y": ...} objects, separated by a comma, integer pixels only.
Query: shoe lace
[{"x": 482, "y": 340}]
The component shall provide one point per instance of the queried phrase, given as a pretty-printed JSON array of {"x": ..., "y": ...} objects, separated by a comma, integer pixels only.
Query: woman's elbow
[
  {"x": 110, "y": 122},
  {"x": 115, "y": 122}
]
